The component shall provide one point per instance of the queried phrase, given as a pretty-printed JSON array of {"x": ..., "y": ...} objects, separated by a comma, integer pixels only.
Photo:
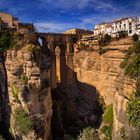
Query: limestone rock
[{"x": 24, "y": 78}]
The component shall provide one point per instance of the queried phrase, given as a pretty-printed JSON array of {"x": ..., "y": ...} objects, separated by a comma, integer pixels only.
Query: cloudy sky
[{"x": 60, "y": 15}]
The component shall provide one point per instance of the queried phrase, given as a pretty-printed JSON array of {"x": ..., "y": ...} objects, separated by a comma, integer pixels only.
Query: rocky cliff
[
  {"x": 37, "y": 82},
  {"x": 28, "y": 76},
  {"x": 104, "y": 73}
]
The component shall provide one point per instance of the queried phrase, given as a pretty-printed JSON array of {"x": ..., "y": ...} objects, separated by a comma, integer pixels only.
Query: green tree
[
  {"x": 133, "y": 109},
  {"x": 107, "y": 37},
  {"x": 88, "y": 133},
  {"x": 5, "y": 40},
  {"x": 131, "y": 62},
  {"x": 121, "y": 34},
  {"x": 104, "y": 40},
  {"x": 135, "y": 37}
]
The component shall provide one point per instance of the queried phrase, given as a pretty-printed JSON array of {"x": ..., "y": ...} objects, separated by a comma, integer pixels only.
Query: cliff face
[
  {"x": 104, "y": 73},
  {"x": 28, "y": 75},
  {"x": 83, "y": 76}
]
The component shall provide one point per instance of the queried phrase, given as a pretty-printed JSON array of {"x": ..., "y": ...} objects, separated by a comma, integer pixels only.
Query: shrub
[
  {"x": 108, "y": 123},
  {"x": 102, "y": 103},
  {"x": 1, "y": 138},
  {"x": 15, "y": 93},
  {"x": 23, "y": 123},
  {"x": 88, "y": 134},
  {"x": 68, "y": 137},
  {"x": 104, "y": 40},
  {"x": 5, "y": 40},
  {"x": 122, "y": 132},
  {"x": 18, "y": 41},
  {"x": 107, "y": 131},
  {"x": 10, "y": 131},
  {"x": 107, "y": 37},
  {"x": 83, "y": 47},
  {"x": 121, "y": 34},
  {"x": 108, "y": 115},
  {"x": 34, "y": 49},
  {"x": 24, "y": 79},
  {"x": 135, "y": 37},
  {"x": 131, "y": 62},
  {"x": 133, "y": 109}
]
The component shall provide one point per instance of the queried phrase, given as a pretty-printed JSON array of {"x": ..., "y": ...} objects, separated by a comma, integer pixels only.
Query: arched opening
[{"x": 40, "y": 41}]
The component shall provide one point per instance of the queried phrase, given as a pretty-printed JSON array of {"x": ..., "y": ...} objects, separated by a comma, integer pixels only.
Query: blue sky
[{"x": 60, "y": 15}]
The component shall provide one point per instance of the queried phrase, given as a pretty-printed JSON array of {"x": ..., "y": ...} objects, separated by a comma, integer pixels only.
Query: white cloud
[
  {"x": 53, "y": 26},
  {"x": 71, "y": 4},
  {"x": 84, "y": 22},
  {"x": 64, "y": 4}
]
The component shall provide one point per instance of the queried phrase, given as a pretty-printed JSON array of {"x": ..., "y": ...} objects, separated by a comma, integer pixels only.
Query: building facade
[
  {"x": 129, "y": 25},
  {"x": 137, "y": 25},
  {"x": 78, "y": 32},
  {"x": 100, "y": 29},
  {"x": 9, "y": 21},
  {"x": 124, "y": 24}
]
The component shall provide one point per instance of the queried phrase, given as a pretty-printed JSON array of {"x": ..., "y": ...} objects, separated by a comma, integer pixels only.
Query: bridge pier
[{"x": 53, "y": 66}]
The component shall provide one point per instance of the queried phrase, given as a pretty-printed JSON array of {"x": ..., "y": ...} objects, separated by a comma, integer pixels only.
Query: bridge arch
[{"x": 61, "y": 50}]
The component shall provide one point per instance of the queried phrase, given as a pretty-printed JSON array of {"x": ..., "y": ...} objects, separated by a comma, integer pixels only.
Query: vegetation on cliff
[
  {"x": 102, "y": 42},
  {"x": 1, "y": 138},
  {"x": 107, "y": 127},
  {"x": 135, "y": 37},
  {"x": 131, "y": 66},
  {"x": 131, "y": 62},
  {"x": 23, "y": 123},
  {"x": 121, "y": 34},
  {"x": 88, "y": 133},
  {"x": 5, "y": 40},
  {"x": 24, "y": 79},
  {"x": 15, "y": 93}
]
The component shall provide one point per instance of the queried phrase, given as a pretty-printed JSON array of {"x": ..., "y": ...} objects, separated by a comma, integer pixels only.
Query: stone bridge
[{"x": 62, "y": 48}]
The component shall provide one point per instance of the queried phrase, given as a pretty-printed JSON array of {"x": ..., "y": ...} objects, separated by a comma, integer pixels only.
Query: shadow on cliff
[
  {"x": 4, "y": 102},
  {"x": 76, "y": 106}
]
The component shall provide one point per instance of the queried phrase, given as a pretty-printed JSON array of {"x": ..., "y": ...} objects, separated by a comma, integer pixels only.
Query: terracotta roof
[
  {"x": 109, "y": 25},
  {"x": 121, "y": 19}
]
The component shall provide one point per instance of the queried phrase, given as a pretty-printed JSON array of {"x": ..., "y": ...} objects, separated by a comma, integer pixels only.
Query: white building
[
  {"x": 137, "y": 25},
  {"x": 100, "y": 29},
  {"x": 129, "y": 25},
  {"x": 108, "y": 29},
  {"x": 123, "y": 24}
]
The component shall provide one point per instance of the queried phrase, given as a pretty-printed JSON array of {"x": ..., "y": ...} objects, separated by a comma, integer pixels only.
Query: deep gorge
[{"x": 59, "y": 87}]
